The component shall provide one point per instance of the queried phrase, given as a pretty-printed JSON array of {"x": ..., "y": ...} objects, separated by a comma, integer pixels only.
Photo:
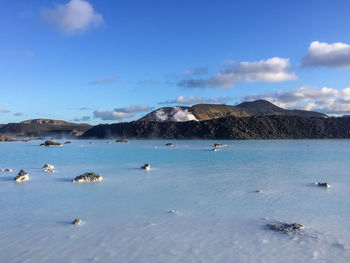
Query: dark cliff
[{"x": 240, "y": 128}]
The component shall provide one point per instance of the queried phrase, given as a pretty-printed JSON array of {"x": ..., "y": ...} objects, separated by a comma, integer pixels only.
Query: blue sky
[{"x": 110, "y": 61}]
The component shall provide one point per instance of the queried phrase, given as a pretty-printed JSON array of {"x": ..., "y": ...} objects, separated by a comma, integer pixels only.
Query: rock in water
[
  {"x": 285, "y": 227},
  {"x": 215, "y": 149},
  {"x": 21, "y": 176},
  {"x": 50, "y": 143},
  {"x": 6, "y": 170},
  {"x": 87, "y": 177},
  {"x": 219, "y": 145},
  {"x": 77, "y": 222},
  {"x": 322, "y": 184},
  {"x": 122, "y": 140},
  {"x": 49, "y": 168},
  {"x": 68, "y": 142},
  {"x": 146, "y": 167},
  {"x": 169, "y": 144}
]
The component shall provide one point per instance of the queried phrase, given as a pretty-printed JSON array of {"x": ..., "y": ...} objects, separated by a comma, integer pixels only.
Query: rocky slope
[
  {"x": 202, "y": 112},
  {"x": 241, "y": 128}
]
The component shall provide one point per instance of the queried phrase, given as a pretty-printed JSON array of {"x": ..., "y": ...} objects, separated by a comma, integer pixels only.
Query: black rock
[{"x": 285, "y": 227}]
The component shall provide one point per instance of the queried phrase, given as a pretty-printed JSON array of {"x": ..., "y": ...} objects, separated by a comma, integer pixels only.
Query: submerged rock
[
  {"x": 51, "y": 143},
  {"x": 219, "y": 145},
  {"x": 169, "y": 144},
  {"x": 146, "y": 167},
  {"x": 77, "y": 221},
  {"x": 285, "y": 227},
  {"x": 172, "y": 211},
  {"x": 21, "y": 176},
  {"x": 87, "y": 177},
  {"x": 68, "y": 142},
  {"x": 322, "y": 184},
  {"x": 122, "y": 140},
  {"x": 215, "y": 149},
  {"x": 49, "y": 168},
  {"x": 6, "y": 170}
]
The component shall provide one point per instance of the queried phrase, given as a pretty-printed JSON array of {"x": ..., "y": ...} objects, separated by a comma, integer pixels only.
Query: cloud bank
[
  {"x": 104, "y": 81},
  {"x": 84, "y": 118},
  {"x": 270, "y": 70},
  {"x": 2, "y": 110},
  {"x": 326, "y": 100},
  {"x": 75, "y": 16},
  {"x": 191, "y": 100},
  {"x": 121, "y": 113},
  {"x": 335, "y": 55}
]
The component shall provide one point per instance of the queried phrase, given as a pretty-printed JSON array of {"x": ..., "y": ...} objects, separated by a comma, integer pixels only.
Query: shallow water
[{"x": 219, "y": 215}]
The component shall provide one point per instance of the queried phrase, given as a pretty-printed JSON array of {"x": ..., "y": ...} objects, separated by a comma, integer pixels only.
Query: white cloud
[
  {"x": 75, "y": 16},
  {"x": 2, "y": 110},
  {"x": 84, "y": 118},
  {"x": 121, "y": 113},
  {"x": 107, "y": 80},
  {"x": 326, "y": 100},
  {"x": 270, "y": 70},
  {"x": 336, "y": 55},
  {"x": 191, "y": 100}
]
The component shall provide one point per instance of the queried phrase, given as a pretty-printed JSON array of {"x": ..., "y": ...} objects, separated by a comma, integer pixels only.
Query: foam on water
[{"x": 219, "y": 215}]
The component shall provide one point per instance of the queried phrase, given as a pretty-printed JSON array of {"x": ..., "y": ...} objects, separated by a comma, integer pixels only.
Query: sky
[{"x": 107, "y": 61}]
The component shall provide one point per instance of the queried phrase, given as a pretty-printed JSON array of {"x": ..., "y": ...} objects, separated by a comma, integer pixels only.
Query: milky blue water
[{"x": 219, "y": 215}]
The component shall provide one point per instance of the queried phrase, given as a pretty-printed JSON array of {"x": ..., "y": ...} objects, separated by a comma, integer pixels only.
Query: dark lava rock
[
  {"x": 50, "y": 143},
  {"x": 322, "y": 184},
  {"x": 169, "y": 144},
  {"x": 146, "y": 166},
  {"x": 285, "y": 227},
  {"x": 68, "y": 142},
  {"x": 87, "y": 177},
  {"x": 77, "y": 221},
  {"x": 219, "y": 145},
  {"x": 21, "y": 176},
  {"x": 121, "y": 140}
]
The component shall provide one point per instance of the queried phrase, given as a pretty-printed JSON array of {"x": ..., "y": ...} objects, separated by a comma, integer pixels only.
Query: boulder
[
  {"x": 6, "y": 170},
  {"x": 285, "y": 227},
  {"x": 87, "y": 177},
  {"x": 77, "y": 222},
  {"x": 219, "y": 145},
  {"x": 50, "y": 143},
  {"x": 122, "y": 140},
  {"x": 21, "y": 176},
  {"x": 68, "y": 142},
  {"x": 49, "y": 168},
  {"x": 146, "y": 167},
  {"x": 169, "y": 144},
  {"x": 215, "y": 149},
  {"x": 326, "y": 185}
]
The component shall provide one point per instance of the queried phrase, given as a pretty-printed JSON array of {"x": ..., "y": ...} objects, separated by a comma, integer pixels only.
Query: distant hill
[
  {"x": 202, "y": 112},
  {"x": 45, "y": 127},
  {"x": 229, "y": 128}
]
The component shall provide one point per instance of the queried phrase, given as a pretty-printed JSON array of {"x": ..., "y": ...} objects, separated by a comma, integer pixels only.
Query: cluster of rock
[
  {"x": 122, "y": 140},
  {"x": 285, "y": 227},
  {"x": 6, "y": 170},
  {"x": 87, "y": 177},
  {"x": 51, "y": 143},
  {"x": 21, "y": 176}
]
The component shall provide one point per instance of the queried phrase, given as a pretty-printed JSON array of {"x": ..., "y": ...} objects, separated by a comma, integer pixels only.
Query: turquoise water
[{"x": 219, "y": 215}]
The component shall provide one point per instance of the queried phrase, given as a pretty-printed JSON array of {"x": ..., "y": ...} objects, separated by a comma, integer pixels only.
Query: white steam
[{"x": 176, "y": 114}]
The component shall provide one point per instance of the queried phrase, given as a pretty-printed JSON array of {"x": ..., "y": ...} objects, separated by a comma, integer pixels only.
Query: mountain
[
  {"x": 202, "y": 112},
  {"x": 45, "y": 127},
  {"x": 238, "y": 128}
]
